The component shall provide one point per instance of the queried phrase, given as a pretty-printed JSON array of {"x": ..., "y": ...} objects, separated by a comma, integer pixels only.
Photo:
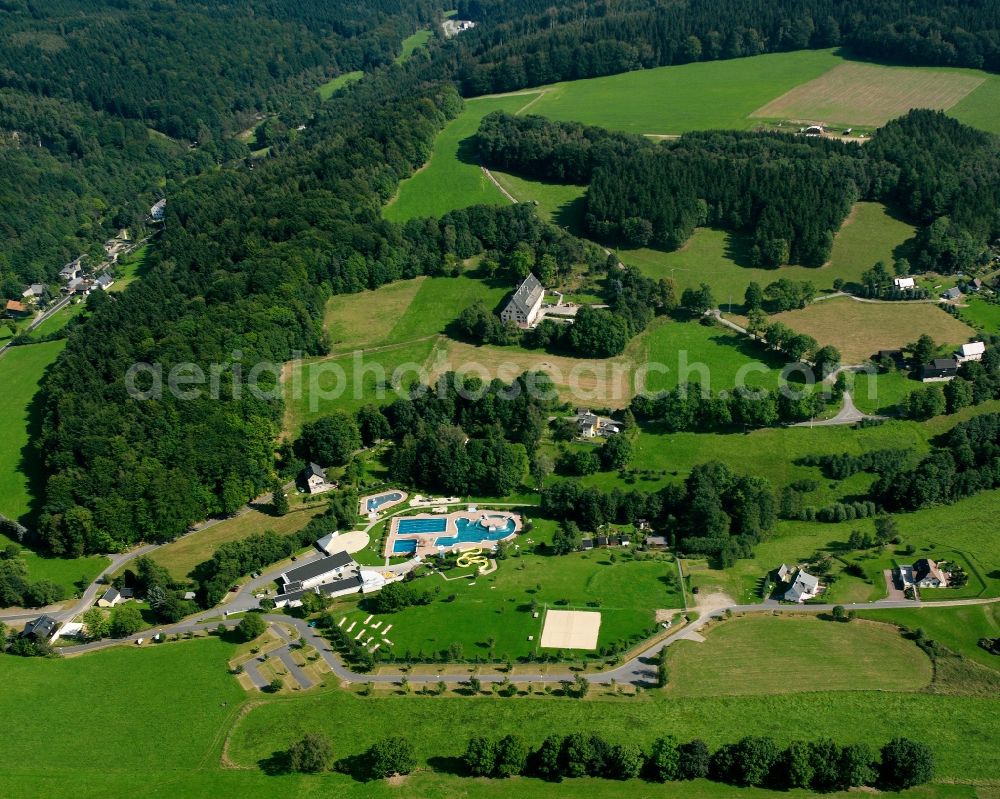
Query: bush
[
  {"x": 389, "y": 757},
  {"x": 312, "y": 754}
]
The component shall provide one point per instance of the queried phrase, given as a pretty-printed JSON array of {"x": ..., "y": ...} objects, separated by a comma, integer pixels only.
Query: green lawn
[
  {"x": 961, "y": 730},
  {"x": 332, "y": 86},
  {"x": 452, "y": 178},
  {"x": 58, "y": 321},
  {"x": 956, "y": 628},
  {"x": 21, "y": 371},
  {"x": 778, "y": 655},
  {"x": 979, "y": 108},
  {"x": 699, "y": 96},
  {"x": 882, "y": 393},
  {"x": 499, "y": 608},
  {"x": 982, "y": 315},
  {"x": 414, "y": 42},
  {"x": 131, "y": 267}
]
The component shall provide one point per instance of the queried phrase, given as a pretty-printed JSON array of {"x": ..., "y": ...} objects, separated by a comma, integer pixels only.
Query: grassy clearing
[
  {"x": 358, "y": 321},
  {"x": 346, "y": 382},
  {"x": 882, "y": 393},
  {"x": 700, "y": 96},
  {"x": 982, "y": 315},
  {"x": 957, "y": 628},
  {"x": 778, "y": 655},
  {"x": 958, "y": 728},
  {"x": 860, "y": 329},
  {"x": 865, "y": 94},
  {"x": 332, "y": 86},
  {"x": 21, "y": 372},
  {"x": 413, "y": 43},
  {"x": 493, "y": 616},
  {"x": 452, "y": 178},
  {"x": 181, "y": 556},
  {"x": 58, "y": 321},
  {"x": 979, "y": 108},
  {"x": 131, "y": 267}
]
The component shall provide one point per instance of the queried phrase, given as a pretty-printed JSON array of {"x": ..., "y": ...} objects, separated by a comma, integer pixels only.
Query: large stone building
[{"x": 525, "y": 305}]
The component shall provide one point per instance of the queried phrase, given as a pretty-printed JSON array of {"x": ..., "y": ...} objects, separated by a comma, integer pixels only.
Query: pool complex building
[
  {"x": 373, "y": 503},
  {"x": 428, "y": 534}
]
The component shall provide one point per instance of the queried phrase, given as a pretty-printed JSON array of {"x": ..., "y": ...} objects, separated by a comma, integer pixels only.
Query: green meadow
[
  {"x": 857, "y": 657},
  {"x": 332, "y": 86},
  {"x": 208, "y": 737},
  {"x": 414, "y": 42}
]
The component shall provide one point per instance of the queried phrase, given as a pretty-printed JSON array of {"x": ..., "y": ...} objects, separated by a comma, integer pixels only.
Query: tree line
[
  {"x": 530, "y": 43},
  {"x": 789, "y": 194},
  {"x": 714, "y": 512}
]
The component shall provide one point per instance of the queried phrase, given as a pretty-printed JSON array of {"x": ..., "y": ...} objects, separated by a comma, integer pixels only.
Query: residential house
[
  {"x": 939, "y": 370},
  {"x": 806, "y": 586},
  {"x": 973, "y": 351},
  {"x": 35, "y": 291},
  {"x": 975, "y": 285},
  {"x": 659, "y": 541},
  {"x": 72, "y": 270},
  {"x": 104, "y": 282},
  {"x": 526, "y": 303},
  {"x": 927, "y": 574},
  {"x": 587, "y": 423},
  {"x": 15, "y": 308},
  {"x": 904, "y": 283},
  {"x": 43, "y": 628},
  {"x": 79, "y": 285},
  {"x": 314, "y": 480},
  {"x": 952, "y": 294},
  {"x": 109, "y": 598},
  {"x": 784, "y": 573},
  {"x": 603, "y": 541}
]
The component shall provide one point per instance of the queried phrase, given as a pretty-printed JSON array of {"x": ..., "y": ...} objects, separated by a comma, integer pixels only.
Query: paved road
[{"x": 639, "y": 670}]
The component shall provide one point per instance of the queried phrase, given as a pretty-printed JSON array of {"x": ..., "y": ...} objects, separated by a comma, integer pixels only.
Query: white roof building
[
  {"x": 973, "y": 351},
  {"x": 805, "y": 587},
  {"x": 904, "y": 283},
  {"x": 524, "y": 306}
]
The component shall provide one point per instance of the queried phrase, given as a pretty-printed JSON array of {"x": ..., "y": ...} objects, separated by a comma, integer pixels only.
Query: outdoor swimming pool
[
  {"x": 470, "y": 531},
  {"x": 377, "y": 502}
]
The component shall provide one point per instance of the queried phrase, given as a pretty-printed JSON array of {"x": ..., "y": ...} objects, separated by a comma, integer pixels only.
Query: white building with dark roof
[{"x": 526, "y": 303}]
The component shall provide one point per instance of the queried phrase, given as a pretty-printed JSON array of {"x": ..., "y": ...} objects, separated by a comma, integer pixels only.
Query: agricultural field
[
  {"x": 860, "y": 329},
  {"x": 332, "y": 86},
  {"x": 777, "y": 655},
  {"x": 979, "y": 108},
  {"x": 856, "y": 93}
]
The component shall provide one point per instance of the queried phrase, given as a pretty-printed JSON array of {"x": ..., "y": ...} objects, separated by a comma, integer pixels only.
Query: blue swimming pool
[
  {"x": 436, "y": 525},
  {"x": 377, "y": 502},
  {"x": 404, "y": 546}
]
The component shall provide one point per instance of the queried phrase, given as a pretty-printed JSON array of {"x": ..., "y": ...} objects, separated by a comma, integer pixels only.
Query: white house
[
  {"x": 314, "y": 479},
  {"x": 904, "y": 283},
  {"x": 927, "y": 574},
  {"x": 973, "y": 351},
  {"x": 158, "y": 211},
  {"x": 317, "y": 572},
  {"x": 526, "y": 303},
  {"x": 805, "y": 587},
  {"x": 109, "y": 598}
]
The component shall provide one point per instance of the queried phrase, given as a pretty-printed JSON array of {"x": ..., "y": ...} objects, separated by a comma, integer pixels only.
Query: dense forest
[
  {"x": 533, "y": 42},
  {"x": 790, "y": 194},
  {"x": 249, "y": 257}
]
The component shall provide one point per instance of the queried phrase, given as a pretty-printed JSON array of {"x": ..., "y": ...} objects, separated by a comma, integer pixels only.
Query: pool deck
[
  {"x": 363, "y": 502},
  {"x": 426, "y": 543}
]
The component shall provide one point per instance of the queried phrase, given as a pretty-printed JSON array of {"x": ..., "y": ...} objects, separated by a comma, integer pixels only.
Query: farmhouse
[
  {"x": 938, "y": 370},
  {"x": 591, "y": 425},
  {"x": 104, "y": 282},
  {"x": 525, "y": 304},
  {"x": 43, "y": 628},
  {"x": 904, "y": 283},
  {"x": 109, "y": 598},
  {"x": 952, "y": 294},
  {"x": 805, "y": 587},
  {"x": 34, "y": 291},
  {"x": 15, "y": 308},
  {"x": 973, "y": 351}
]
